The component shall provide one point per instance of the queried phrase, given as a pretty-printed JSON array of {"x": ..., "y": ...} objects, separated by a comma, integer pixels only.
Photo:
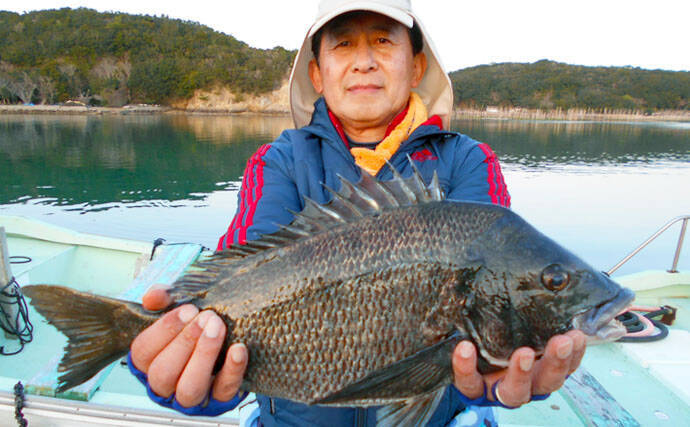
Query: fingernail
[
  {"x": 203, "y": 318},
  {"x": 213, "y": 326},
  {"x": 526, "y": 363},
  {"x": 164, "y": 286},
  {"x": 238, "y": 354},
  {"x": 564, "y": 350},
  {"x": 466, "y": 350},
  {"x": 187, "y": 313}
]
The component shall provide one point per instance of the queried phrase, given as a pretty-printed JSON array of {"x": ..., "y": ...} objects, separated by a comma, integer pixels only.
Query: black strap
[{"x": 20, "y": 326}]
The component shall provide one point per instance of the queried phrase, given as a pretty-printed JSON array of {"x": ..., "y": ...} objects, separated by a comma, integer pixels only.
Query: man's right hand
[{"x": 178, "y": 353}]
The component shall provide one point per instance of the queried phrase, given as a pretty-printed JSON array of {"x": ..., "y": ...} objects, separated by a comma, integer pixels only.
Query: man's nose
[{"x": 364, "y": 60}]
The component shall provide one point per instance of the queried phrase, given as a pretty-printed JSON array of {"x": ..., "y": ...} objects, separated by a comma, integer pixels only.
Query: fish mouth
[{"x": 599, "y": 323}]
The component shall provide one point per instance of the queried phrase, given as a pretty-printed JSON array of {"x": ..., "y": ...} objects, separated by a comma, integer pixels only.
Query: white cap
[{"x": 435, "y": 88}]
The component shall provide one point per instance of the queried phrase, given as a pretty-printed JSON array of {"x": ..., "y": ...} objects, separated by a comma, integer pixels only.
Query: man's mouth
[{"x": 364, "y": 88}]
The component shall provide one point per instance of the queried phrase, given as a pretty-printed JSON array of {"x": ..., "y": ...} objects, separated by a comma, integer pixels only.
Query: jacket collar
[{"x": 322, "y": 126}]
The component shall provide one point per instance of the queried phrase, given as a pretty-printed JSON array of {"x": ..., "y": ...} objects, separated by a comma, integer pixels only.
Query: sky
[{"x": 650, "y": 34}]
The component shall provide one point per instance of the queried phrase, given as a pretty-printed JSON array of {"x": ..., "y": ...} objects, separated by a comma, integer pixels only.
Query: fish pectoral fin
[
  {"x": 418, "y": 375},
  {"x": 416, "y": 411}
]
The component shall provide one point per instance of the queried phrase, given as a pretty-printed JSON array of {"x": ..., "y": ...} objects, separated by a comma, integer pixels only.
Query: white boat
[
  {"x": 107, "y": 266},
  {"x": 617, "y": 384}
]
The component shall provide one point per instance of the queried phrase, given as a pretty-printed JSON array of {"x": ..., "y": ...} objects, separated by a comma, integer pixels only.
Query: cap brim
[{"x": 391, "y": 12}]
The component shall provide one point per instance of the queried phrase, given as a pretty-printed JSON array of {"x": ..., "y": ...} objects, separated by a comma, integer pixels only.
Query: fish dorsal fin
[
  {"x": 368, "y": 197},
  {"x": 426, "y": 373}
]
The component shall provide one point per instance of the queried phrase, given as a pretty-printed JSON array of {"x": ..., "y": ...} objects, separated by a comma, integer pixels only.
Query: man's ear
[
  {"x": 315, "y": 76},
  {"x": 419, "y": 63}
]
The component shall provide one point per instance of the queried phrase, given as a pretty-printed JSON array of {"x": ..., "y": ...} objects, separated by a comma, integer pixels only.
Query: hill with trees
[
  {"x": 114, "y": 59},
  {"x": 551, "y": 85}
]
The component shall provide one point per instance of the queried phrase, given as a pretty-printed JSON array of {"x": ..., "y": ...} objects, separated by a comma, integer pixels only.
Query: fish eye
[{"x": 555, "y": 277}]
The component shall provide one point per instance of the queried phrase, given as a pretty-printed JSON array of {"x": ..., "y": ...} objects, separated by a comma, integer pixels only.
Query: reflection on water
[
  {"x": 599, "y": 188},
  {"x": 225, "y": 129},
  {"x": 93, "y": 160},
  {"x": 539, "y": 143}
]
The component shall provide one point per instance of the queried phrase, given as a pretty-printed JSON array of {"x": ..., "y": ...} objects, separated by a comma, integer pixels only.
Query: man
[{"x": 354, "y": 107}]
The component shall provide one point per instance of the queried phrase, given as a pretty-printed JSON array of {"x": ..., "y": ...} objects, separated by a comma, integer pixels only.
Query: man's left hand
[{"x": 525, "y": 377}]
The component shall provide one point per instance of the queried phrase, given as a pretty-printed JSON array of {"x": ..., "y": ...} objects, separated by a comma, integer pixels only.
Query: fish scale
[
  {"x": 342, "y": 307},
  {"x": 361, "y": 301}
]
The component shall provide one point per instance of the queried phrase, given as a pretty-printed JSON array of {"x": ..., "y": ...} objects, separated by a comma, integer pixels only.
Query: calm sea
[{"x": 598, "y": 188}]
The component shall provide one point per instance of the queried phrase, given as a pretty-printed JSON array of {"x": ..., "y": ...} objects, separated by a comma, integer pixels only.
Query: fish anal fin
[
  {"x": 419, "y": 374},
  {"x": 416, "y": 411}
]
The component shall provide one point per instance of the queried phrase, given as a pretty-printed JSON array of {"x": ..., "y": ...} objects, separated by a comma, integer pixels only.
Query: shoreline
[
  {"x": 573, "y": 115},
  {"x": 489, "y": 113}
]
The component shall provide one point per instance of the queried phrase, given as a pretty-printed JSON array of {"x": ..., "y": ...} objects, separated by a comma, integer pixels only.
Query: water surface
[{"x": 598, "y": 188}]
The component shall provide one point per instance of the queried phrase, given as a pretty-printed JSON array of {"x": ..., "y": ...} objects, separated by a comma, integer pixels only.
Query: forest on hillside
[
  {"x": 116, "y": 58},
  {"x": 548, "y": 85},
  {"x": 113, "y": 59}
]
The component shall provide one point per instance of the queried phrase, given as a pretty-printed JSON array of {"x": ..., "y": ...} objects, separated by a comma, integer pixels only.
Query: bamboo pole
[{"x": 9, "y": 321}]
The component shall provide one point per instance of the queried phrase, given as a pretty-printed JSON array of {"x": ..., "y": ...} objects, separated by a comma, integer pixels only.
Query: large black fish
[{"x": 361, "y": 301}]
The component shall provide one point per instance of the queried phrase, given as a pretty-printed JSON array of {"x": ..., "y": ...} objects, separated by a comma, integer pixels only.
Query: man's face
[{"x": 366, "y": 70}]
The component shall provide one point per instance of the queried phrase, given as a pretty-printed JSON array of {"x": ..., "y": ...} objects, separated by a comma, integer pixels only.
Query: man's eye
[
  {"x": 343, "y": 44},
  {"x": 383, "y": 40}
]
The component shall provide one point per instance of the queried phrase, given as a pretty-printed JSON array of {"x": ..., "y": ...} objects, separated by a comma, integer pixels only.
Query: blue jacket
[{"x": 278, "y": 177}]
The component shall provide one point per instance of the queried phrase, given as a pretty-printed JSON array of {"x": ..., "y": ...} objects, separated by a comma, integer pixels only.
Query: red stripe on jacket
[
  {"x": 497, "y": 185},
  {"x": 258, "y": 192},
  {"x": 250, "y": 193}
]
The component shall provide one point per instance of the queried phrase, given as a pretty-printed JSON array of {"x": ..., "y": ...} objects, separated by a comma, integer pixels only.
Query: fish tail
[{"x": 99, "y": 329}]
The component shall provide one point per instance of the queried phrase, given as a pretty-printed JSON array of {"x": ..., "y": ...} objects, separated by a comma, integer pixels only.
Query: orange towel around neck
[{"x": 373, "y": 160}]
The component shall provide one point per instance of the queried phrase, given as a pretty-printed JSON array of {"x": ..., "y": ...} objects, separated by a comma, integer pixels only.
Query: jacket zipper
[{"x": 361, "y": 417}]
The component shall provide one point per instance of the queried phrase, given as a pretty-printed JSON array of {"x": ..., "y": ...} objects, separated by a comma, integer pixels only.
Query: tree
[
  {"x": 22, "y": 84},
  {"x": 46, "y": 89}
]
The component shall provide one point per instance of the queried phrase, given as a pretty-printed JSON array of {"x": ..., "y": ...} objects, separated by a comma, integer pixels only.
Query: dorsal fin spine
[
  {"x": 435, "y": 188},
  {"x": 303, "y": 219},
  {"x": 294, "y": 230},
  {"x": 325, "y": 210},
  {"x": 398, "y": 179},
  {"x": 344, "y": 201},
  {"x": 419, "y": 182},
  {"x": 364, "y": 196},
  {"x": 373, "y": 182}
]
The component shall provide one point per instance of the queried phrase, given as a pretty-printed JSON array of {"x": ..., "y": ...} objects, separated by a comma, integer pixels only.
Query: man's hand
[
  {"x": 524, "y": 376},
  {"x": 179, "y": 350}
]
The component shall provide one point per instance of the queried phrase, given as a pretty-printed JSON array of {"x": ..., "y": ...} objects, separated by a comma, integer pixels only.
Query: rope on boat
[
  {"x": 641, "y": 328},
  {"x": 20, "y": 326},
  {"x": 19, "y": 405}
]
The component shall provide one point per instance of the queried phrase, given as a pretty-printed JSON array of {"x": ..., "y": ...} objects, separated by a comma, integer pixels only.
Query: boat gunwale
[
  {"x": 35, "y": 404},
  {"x": 22, "y": 227}
]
